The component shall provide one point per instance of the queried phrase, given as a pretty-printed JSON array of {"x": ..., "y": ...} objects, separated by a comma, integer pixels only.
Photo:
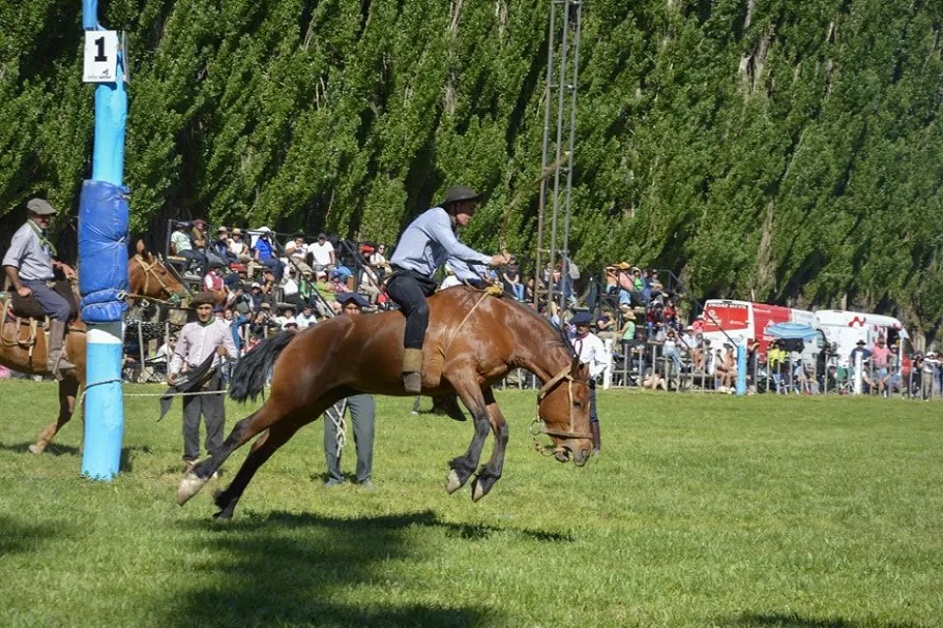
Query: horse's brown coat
[{"x": 481, "y": 336}]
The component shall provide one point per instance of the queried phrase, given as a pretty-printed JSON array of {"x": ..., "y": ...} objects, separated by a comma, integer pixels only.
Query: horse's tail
[{"x": 252, "y": 371}]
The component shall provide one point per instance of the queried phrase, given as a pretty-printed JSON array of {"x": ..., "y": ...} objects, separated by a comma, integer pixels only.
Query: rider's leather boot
[
  {"x": 597, "y": 440},
  {"x": 56, "y": 360},
  {"x": 412, "y": 371}
]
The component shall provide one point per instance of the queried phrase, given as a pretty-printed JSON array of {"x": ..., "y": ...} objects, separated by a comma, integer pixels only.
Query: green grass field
[{"x": 702, "y": 511}]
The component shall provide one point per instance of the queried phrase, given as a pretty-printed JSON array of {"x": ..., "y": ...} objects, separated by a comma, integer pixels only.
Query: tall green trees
[{"x": 788, "y": 151}]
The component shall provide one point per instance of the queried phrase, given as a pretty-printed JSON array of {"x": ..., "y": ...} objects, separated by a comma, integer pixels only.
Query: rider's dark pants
[
  {"x": 409, "y": 290},
  {"x": 53, "y": 303}
]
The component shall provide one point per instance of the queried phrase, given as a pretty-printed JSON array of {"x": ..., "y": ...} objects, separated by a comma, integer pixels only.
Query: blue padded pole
[{"x": 103, "y": 235}]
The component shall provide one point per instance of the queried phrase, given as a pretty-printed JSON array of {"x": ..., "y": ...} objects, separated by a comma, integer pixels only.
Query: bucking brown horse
[
  {"x": 23, "y": 340},
  {"x": 472, "y": 341}
]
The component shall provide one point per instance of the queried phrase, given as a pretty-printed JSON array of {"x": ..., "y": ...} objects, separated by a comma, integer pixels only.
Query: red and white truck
[{"x": 727, "y": 320}]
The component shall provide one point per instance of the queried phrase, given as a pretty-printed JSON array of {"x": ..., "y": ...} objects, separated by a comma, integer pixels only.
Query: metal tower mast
[{"x": 563, "y": 60}]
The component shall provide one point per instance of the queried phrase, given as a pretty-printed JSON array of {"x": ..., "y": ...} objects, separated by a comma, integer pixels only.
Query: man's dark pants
[
  {"x": 214, "y": 416},
  {"x": 363, "y": 410}
]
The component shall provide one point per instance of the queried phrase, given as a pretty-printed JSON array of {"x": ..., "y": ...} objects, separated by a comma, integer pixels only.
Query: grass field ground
[{"x": 702, "y": 511}]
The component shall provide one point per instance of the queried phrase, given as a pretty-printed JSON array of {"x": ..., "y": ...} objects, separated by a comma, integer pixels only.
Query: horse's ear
[
  {"x": 575, "y": 366},
  {"x": 140, "y": 248}
]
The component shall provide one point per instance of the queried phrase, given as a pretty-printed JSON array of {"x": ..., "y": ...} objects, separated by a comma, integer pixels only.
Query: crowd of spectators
[{"x": 655, "y": 341}]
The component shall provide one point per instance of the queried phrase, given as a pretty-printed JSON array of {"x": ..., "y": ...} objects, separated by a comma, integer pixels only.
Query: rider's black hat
[{"x": 458, "y": 193}]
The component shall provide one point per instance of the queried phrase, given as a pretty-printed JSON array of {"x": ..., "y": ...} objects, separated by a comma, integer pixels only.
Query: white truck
[{"x": 843, "y": 330}]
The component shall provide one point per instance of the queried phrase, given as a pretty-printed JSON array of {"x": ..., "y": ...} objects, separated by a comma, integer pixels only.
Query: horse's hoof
[
  {"x": 454, "y": 482},
  {"x": 190, "y": 485},
  {"x": 478, "y": 491},
  {"x": 37, "y": 449}
]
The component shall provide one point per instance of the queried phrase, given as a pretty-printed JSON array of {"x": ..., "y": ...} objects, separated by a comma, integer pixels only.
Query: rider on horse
[
  {"x": 30, "y": 266},
  {"x": 425, "y": 246}
]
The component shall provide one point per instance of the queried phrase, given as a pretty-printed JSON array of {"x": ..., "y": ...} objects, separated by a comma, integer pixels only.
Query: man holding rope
[
  {"x": 362, "y": 413},
  {"x": 197, "y": 341}
]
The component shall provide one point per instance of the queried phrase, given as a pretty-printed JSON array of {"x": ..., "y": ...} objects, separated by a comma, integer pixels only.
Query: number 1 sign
[{"x": 101, "y": 57}]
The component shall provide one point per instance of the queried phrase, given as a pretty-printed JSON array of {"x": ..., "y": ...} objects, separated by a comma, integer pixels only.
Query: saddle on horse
[{"x": 22, "y": 317}]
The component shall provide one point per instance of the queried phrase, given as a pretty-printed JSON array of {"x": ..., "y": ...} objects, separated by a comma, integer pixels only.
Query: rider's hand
[
  {"x": 499, "y": 260},
  {"x": 24, "y": 291},
  {"x": 67, "y": 271},
  {"x": 170, "y": 379}
]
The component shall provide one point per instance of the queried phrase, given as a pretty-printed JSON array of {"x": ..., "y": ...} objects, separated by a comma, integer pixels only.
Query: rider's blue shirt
[{"x": 429, "y": 241}]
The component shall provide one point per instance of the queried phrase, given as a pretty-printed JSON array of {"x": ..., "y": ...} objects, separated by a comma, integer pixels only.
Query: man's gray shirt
[{"x": 29, "y": 255}]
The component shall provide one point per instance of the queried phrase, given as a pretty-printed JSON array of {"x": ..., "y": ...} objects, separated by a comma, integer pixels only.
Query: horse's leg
[
  {"x": 195, "y": 477},
  {"x": 261, "y": 451},
  {"x": 268, "y": 417},
  {"x": 463, "y": 466},
  {"x": 68, "y": 391},
  {"x": 491, "y": 472}
]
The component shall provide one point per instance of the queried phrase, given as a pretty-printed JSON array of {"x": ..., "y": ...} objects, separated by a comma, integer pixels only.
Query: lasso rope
[
  {"x": 336, "y": 414},
  {"x": 126, "y": 394}
]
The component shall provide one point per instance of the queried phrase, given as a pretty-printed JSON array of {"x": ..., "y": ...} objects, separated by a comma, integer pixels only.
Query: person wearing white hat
[
  {"x": 263, "y": 252},
  {"x": 929, "y": 367},
  {"x": 30, "y": 266}
]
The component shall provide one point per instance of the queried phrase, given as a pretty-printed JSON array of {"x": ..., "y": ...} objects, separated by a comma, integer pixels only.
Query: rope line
[{"x": 336, "y": 414}]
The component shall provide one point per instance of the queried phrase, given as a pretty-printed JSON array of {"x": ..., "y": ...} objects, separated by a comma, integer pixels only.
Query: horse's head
[
  {"x": 150, "y": 277},
  {"x": 563, "y": 409}
]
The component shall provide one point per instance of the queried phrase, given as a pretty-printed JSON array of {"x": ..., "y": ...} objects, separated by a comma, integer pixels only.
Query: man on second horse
[
  {"x": 30, "y": 265},
  {"x": 425, "y": 246}
]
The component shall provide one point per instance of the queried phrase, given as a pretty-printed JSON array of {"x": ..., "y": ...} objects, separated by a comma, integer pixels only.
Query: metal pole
[
  {"x": 570, "y": 154},
  {"x": 543, "y": 163},
  {"x": 564, "y": 51}
]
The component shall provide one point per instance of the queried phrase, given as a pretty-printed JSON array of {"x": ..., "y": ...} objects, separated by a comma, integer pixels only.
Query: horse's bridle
[
  {"x": 539, "y": 427},
  {"x": 148, "y": 271}
]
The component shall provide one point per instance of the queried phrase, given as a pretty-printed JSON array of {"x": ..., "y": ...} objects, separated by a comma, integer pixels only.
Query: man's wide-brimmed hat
[
  {"x": 203, "y": 298},
  {"x": 458, "y": 193},
  {"x": 40, "y": 207},
  {"x": 582, "y": 318}
]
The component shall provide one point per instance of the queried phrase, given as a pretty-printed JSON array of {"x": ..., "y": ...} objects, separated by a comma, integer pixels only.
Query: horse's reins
[
  {"x": 544, "y": 390},
  {"x": 542, "y": 427},
  {"x": 443, "y": 349}
]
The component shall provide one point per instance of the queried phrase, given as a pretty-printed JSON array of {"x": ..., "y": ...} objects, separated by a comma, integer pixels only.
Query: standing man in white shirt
[
  {"x": 592, "y": 352},
  {"x": 197, "y": 341}
]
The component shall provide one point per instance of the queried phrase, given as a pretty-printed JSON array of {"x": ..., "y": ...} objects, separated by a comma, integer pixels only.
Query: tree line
[{"x": 781, "y": 151}]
